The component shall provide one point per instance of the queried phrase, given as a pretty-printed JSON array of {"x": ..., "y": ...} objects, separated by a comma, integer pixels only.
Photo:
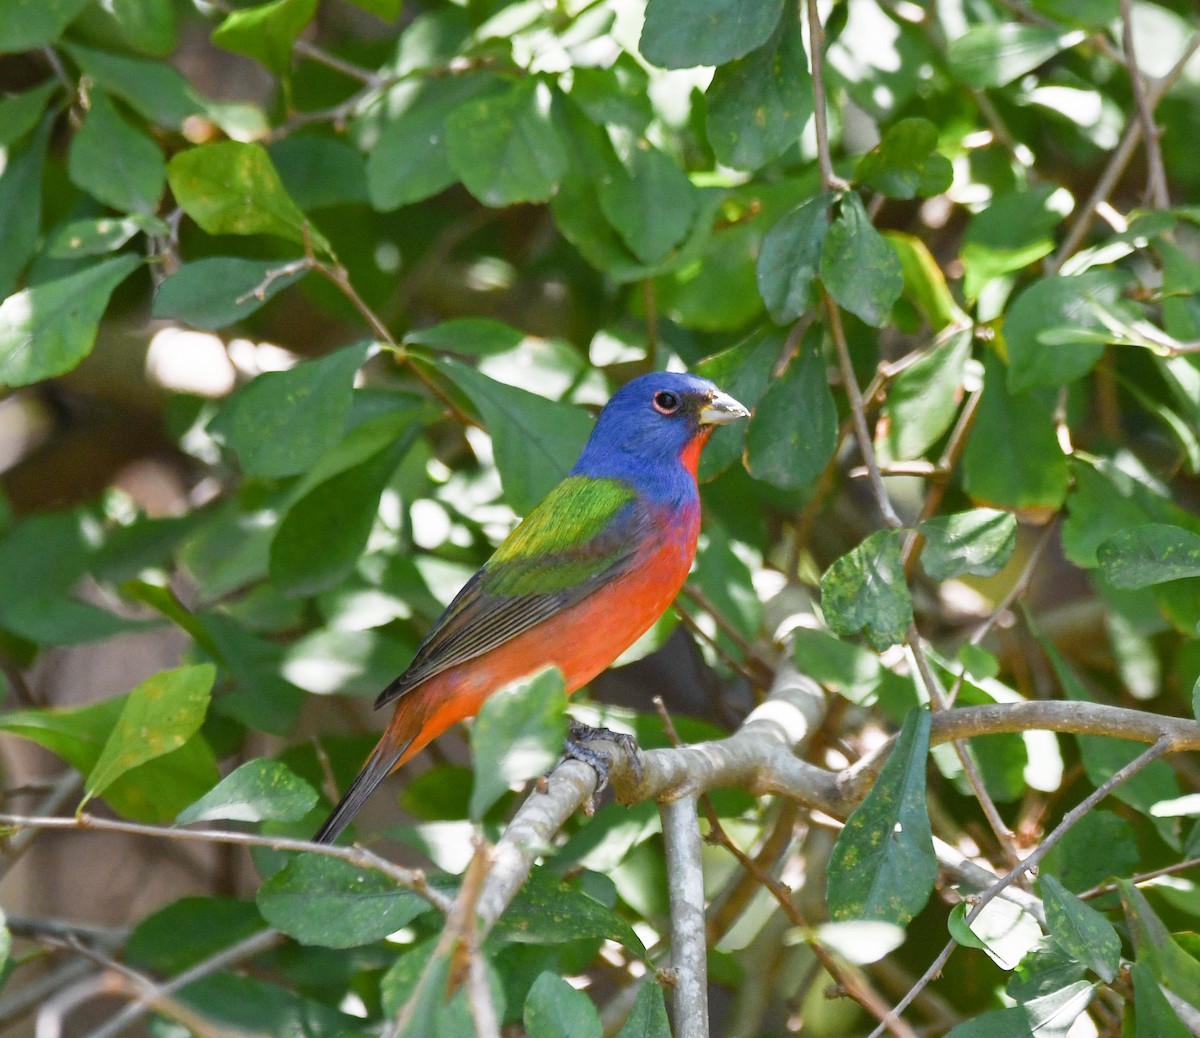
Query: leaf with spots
[
  {"x": 159, "y": 716},
  {"x": 549, "y": 911},
  {"x": 648, "y": 1018},
  {"x": 258, "y": 791},
  {"x": 883, "y": 865},
  {"x": 865, "y": 591},
  {"x": 1151, "y": 554},
  {"x": 330, "y": 903}
]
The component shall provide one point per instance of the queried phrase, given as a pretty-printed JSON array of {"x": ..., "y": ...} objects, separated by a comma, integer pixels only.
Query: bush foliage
[{"x": 358, "y": 277}]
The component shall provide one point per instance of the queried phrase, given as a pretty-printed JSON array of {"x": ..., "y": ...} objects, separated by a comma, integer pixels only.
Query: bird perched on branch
[{"x": 586, "y": 573}]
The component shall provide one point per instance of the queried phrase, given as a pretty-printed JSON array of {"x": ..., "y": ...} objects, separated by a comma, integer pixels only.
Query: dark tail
[{"x": 379, "y": 765}]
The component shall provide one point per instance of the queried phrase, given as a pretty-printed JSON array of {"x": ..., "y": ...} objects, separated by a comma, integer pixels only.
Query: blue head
[{"x": 652, "y": 431}]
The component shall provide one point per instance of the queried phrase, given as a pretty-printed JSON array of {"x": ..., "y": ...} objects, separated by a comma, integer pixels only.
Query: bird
[{"x": 584, "y": 575}]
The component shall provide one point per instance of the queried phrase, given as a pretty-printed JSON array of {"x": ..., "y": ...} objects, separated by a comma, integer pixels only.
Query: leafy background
[{"x": 305, "y": 303}]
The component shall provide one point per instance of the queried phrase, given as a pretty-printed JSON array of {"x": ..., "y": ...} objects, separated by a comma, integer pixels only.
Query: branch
[
  {"x": 689, "y": 952},
  {"x": 360, "y": 857},
  {"x": 1157, "y": 196}
]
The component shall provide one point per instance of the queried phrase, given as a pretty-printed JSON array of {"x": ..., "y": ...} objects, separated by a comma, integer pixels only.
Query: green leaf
[
  {"x": 790, "y": 257},
  {"x": 153, "y": 792},
  {"x": 157, "y": 91},
  {"x": 267, "y": 32},
  {"x": 29, "y": 24},
  {"x": 924, "y": 400},
  {"x": 1168, "y": 963},
  {"x": 978, "y": 542},
  {"x": 188, "y": 931},
  {"x": 859, "y": 266},
  {"x": 883, "y": 865},
  {"x": 96, "y": 237},
  {"x": 232, "y": 188},
  {"x": 1012, "y": 458},
  {"x": 281, "y": 422},
  {"x": 48, "y": 329},
  {"x": 470, "y": 336},
  {"x": 320, "y": 171},
  {"x": 648, "y": 1017},
  {"x": 320, "y": 539},
  {"x": 20, "y": 113},
  {"x": 1099, "y": 845},
  {"x": 961, "y": 930},
  {"x": 417, "y": 985},
  {"x": 21, "y": 206},
  {"x": 159, "y": 716},
  {"x": 794, "y": 429},
  {"x": 148, "y": 26},
  {"x": 996, "y": 53},
  {"x": 553, "y": 1009},
  {"x": 536, "y": 440},
  {"x": 219, "y": 291},
  {"x": 518, "y": 735},
  {"x": 1155, "y": 1017},
  {"x": 744, "y": 371},
  {"x": 865, "y": 591},
  {"x": 330, "y": 903},
  {"x": 925, "y": 283},
  {"x": 114, "y": 162},
  {"x": 999, "y": 1023},
  {"x": 1014, "y": 230},
  {"x": 1150, "y": 554},
  {"x": 758, "y": 105},
  {"x": 409, "y": 161},
  {"x": 5, "y": 944},
  {"x": 507, "y": 148},
  {"x": 1051, "y": 329},
  {"x": 650, "y": 202},
  {"x": 1044, "y": 969},
  {"x": 906, "y": 163},
  {"x": 63, "y": 621},
  {"x": 1080, "y": 929},
  {"x": 547, "y": 910},
  {"x": 259, "y": 791},
  {"x": 687, "y": 33}
]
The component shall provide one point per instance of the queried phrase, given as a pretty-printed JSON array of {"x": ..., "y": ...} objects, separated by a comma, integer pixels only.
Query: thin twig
[
  {"x": 1119, "y": 160},
  {"x": 1143, "y": 877},
  {"x": 861, "y": 432},
  {"x": 360, "y": 857},
  {"x": 830, "y": 181},
  {"x": 1157, "y": 196},
  {"x": 155, "y": 994}
]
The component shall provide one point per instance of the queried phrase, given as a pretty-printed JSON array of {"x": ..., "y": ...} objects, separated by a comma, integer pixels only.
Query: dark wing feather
[{"x": 516, "y": 589}]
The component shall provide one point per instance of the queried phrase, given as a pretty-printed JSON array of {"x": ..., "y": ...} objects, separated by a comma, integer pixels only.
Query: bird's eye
[{"x": 666, "y": 403}]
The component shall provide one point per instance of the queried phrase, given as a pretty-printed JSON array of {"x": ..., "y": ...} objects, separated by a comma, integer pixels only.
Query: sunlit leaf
[
  {"x": 159, "y": 716},
  {"x": 29, "y": 24},
  {"x": 232, "y": 188},
  {"x": 996, "y": 53},
  {"x": 978, "y": 542},
  {"x": 48, "y": 329},
  {"x": 260, "y": 790},
  {"x": 685, "y": 33},
  {"x": 267, "y": 32},
  {"x": 1080, "y": 929}
]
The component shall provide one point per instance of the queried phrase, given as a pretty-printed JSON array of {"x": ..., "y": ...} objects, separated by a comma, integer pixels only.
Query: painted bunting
[{"x": 585, "y": 574}]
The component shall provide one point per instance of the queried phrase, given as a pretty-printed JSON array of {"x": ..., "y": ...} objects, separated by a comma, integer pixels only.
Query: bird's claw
[{"x": 575, "y": 749}]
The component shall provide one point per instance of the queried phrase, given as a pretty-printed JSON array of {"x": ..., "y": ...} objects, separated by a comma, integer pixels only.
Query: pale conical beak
[{"x": 721, "y": 409}]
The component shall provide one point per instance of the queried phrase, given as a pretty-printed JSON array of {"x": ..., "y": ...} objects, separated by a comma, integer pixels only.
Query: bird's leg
[{"x": 578, "y": 734}]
